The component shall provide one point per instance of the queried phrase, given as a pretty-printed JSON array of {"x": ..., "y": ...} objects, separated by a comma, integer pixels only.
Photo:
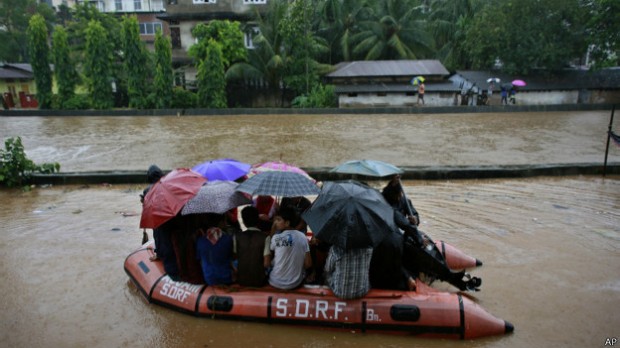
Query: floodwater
[{"x": 549, "y": 244}]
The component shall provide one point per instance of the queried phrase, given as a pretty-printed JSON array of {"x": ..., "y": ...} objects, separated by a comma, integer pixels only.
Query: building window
[
  {"x": 137, "y": 5},
  {"x": 205, "y": 1},
  {"x": 253, "y": 2},
  {"x": 249, "y": 36},
  {"x": 149, "y": 28},
  {"x": 381, "y": 94},
  {"x": 352, "y": 95},
  {"x": 118, "y": 5}
]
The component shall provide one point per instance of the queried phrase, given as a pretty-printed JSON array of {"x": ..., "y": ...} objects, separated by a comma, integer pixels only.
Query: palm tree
[
  {"x": 338, "y": 23},
  {"x": 449, "y": 21},
  {"x": 267, "y": 61},
  {"x": 396, "y": 31}
]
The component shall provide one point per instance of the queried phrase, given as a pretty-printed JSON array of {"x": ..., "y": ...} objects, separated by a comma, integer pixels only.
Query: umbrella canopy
[
  {"x": 417, "y": 80},
  {"x": 367, "y": 168},
  {"x": 277, "y": 166},
  {"x": 167, "y": 196},
  {"x": 222, "y": 169},
  {"x": 281, "y": 184},
  {"x": 351, "y": 215},
  {"x": 493, "y": 80},
  {"x": 216, "y": 197},
  {"x": 519, "y": 83}
]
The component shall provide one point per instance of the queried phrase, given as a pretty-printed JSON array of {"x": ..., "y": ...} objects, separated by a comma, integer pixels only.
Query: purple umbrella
[
  {"x": 519, "y": 83},
  {"x": 222, "y": 169}
]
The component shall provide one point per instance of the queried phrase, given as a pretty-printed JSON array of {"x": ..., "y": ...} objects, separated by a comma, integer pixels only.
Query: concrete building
[{"x": 183, "y": 15}]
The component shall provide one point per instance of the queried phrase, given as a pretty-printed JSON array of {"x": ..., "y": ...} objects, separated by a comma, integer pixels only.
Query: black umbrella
[{"x": 351, "y": 215}]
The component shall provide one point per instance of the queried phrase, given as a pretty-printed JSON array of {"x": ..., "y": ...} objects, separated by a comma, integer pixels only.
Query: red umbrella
[{"x": 167, "y": 196}]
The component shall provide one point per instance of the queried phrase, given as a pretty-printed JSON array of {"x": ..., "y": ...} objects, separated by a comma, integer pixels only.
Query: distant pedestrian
[
  {"x": 513, "y": 96},
  {"x": 421, "y": 93},
  {"x": 504, "y": 94}
]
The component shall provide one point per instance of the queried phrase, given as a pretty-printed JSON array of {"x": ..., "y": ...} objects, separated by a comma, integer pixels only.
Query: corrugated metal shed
[{"x": 389, "y": 68}]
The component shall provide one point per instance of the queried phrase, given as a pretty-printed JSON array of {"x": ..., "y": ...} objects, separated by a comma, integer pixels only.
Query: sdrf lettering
[
  {"x": 303, "y": 309},
  {"x": 174, "y": 292},
  {"x": 611, "y": 341}
]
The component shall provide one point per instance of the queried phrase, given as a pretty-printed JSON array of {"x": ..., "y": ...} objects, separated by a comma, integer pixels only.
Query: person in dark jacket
[
  {"x": 252, "y": 250},
  {"x": 386, "y": 265}
]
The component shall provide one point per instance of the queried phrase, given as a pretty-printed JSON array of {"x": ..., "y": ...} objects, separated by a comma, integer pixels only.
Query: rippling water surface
[{"x": 549, "y": 245}]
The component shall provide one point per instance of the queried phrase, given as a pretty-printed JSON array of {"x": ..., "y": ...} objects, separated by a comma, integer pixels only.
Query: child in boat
[
  {"x": 291, "y": 252},
  {"x": 252, "y": 250}
]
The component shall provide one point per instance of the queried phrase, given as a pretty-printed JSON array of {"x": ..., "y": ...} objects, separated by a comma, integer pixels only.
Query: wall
[{"x": 395, "y": 99}]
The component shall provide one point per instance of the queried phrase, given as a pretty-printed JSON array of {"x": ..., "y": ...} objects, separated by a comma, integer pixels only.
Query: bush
[
  {"x": 77, "y": 102},
  {"x": 183, "y": 99},
  {"x": 15, "y": 167},
  {"x": 321, "y": 96}
]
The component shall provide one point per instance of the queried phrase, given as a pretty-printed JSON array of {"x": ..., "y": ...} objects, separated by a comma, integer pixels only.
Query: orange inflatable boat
[{"x": 425, "y": 312}]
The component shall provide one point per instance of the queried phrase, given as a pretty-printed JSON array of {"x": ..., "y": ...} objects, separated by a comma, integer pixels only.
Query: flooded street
[{"x": 549, "y": 245}]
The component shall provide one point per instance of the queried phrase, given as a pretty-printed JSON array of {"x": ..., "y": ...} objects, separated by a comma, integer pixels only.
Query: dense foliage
[
  {"x": 40, "y": 53},
  {"x": 297, "y": 42},
  {"x": 163, "y": 71},
  {"x": 16, "y": 167},
  {"x": 211, "y": 82},
  {"x": 64, "y": 67},
  {"x": 136, "y": 63},
  {"x": 98, "y": 66}
]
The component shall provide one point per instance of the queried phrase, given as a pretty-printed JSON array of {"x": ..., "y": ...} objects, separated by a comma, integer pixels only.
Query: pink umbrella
[
  {"x": 519, "y": 83},
  {"x": 277, "y": 166}
]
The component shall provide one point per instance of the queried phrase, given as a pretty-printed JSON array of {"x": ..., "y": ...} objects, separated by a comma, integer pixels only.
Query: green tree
[
  {"x": 527, "y": 34},
  {"x": 40, "y": 53},
  {"x": 14, "y": 18},
  {"x": 604, "y": 32},
  {"x": 338, "y": 22},
  {"x": 303, "y": 46},
  {"x": 164, "y": 77},
  {"x": 228, "y": 34},
  {"x": 211, "y": 80},
  {"x": 64, "y": 68},
  {"x": 98, "y": 66},
  {"x": 449, "y": 20},
  {"x": 267, "y": 61},
  {"x": 398, "y": 30},
  {"x": 135, "y": 62}
]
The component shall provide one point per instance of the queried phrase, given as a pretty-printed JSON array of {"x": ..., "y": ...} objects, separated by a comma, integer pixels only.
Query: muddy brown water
[{"x": 549, "y": 245}]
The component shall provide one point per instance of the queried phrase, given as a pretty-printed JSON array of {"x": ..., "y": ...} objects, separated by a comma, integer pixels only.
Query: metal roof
[
  {"x": 9, "y": 71},
  {"x": 392, "y": 68}
]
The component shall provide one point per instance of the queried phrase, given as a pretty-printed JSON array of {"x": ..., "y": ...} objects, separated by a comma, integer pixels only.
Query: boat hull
[{"x": 424, "y": 312}]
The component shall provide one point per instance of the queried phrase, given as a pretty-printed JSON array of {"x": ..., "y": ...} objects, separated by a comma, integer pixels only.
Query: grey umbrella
[
  {"x": 215, "y": 197},
  {"x": 281, "y": 184},
  {"x": 351, "y": 215}
]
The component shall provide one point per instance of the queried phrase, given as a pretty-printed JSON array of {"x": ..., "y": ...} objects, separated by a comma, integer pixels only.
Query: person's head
[
  {"x": 286, "y": 218},
  {"x": 249, "y": 215},
  {"x": 392, "y": 193},
  {"x": 153, "y": 174}
]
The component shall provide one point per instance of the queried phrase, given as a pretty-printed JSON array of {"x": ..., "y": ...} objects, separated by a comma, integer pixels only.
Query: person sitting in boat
[
  {"x": 214, "y": 249},
  {"x": 346, "y": 271},
  {"x": 394, "y": 194},
  {"x": 300, "y": 204},
  {"x": 420, "y": 253},
  {"x": 252, "y": 250},
  {"x": 386, "y": 265},
  {"x": 153, "y": 174},
  {"x": 267, "y": 207},
  {"x": 291, "y": 252}
]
